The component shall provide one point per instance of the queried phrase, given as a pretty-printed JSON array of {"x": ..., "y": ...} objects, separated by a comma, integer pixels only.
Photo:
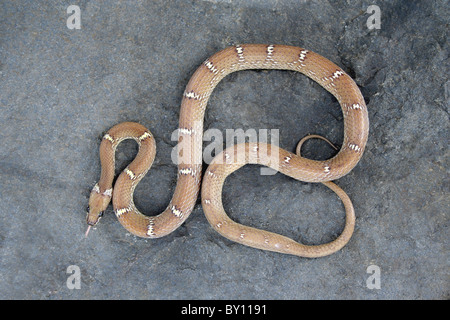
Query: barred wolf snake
[{"x": 190, "y": 133}]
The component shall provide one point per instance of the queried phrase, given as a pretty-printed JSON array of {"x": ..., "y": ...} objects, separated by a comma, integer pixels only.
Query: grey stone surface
[{"x": 61, "y": 89}]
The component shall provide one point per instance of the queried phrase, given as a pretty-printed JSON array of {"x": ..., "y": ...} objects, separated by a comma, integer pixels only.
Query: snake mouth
[
  {"x": 92, "y": 224},
  {"x": 93, "y": 219}
]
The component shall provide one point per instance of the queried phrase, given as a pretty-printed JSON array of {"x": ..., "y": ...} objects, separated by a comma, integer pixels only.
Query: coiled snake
[{"x": 190, "y": 132}]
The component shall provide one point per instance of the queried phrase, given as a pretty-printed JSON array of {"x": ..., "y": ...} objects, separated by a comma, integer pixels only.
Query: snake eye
[
  {"x": 88, "y": 209},
  {"x": 101, "y": 214}
]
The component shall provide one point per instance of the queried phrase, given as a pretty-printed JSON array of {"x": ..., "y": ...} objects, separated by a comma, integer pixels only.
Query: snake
[{"x": 189, "y": 154}]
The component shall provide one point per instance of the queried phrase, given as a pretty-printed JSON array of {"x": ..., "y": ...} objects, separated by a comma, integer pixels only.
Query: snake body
[{"x": 190, "y": 132}]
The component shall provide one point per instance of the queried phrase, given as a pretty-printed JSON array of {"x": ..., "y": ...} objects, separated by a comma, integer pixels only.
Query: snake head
[{"x": 98, "y": 202}]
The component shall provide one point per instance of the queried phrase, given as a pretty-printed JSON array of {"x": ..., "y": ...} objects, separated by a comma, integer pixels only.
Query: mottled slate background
[{"x": 61, "y": 89}]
